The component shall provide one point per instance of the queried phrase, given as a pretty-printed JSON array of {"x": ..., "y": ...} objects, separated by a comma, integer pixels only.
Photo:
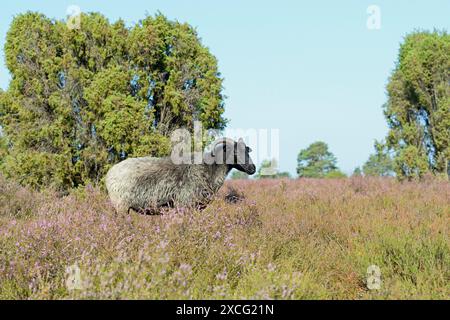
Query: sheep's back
[
  {"x": 122, "y": 178},
  {"x": 153, "y": 182}
]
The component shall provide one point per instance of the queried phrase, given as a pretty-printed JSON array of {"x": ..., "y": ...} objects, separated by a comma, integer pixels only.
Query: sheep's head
[{"x": 235, "y": 154}]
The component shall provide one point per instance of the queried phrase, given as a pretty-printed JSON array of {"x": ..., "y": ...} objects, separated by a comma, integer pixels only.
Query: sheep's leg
[
  {"x": 148, "y": 211},
  {"x": 201, "y": 206},
  {"x": 133, "y": 209},
  {"x": 151, "y": 212}
]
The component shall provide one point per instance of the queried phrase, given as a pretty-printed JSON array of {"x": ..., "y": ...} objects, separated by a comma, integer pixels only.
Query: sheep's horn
[{"x": 219, "y": 141}]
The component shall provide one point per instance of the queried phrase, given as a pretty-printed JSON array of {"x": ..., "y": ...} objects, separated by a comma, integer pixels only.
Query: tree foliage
[
  {"x": 316, "y": 161},
  {"x": 335, "y": 174},
  {"x": 82, "y": 99},
  {"x": 239, "y": 175},
  {"x": 380, "y": 163},
  {"x": 3, "y": 148},
  {"x": 357, "y": 172},
  {"x": 269, "y": 170},
  {"x": 418, "y": 107}
]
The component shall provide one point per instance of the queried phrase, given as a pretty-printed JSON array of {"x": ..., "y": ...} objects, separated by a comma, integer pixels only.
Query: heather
[{"x": 276, "y": 239}]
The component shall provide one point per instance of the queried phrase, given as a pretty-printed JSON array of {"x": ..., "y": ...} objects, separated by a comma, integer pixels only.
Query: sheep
[{"x": 150, "y": 183}]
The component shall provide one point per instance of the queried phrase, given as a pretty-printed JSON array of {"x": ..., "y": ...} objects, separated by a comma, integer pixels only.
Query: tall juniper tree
[
  {"x": 418, "y": 107},
  {"x": 81, "y": 99}
]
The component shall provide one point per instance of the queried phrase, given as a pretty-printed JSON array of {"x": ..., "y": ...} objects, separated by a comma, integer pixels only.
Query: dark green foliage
[
  {"x": 3, "y": 148},
  {"x": 82, "y": 99},
  {"x": 418, "y": 107},
  {"x": 283, "y": 174},
  {"x": 3, "y": 142},
  {"x": 237, "y": 175},
  {"x": 335, "y": 174},
  {"x": 380, "y": 163},
  {"x": 357, "y": 172},
  {"x": 269, "y": 170},
  {"x": 316, "y": 161}
]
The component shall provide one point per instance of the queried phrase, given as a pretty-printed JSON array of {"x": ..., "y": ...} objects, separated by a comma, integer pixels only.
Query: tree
[
  {"x": 269, "y": 170},
  {"x": 380, "y": 163},
  {"x": 335, "y": 174},
  {"x": 357, "y": 172},
  {"x": 83, "y": 99},
  {"x": 316, "y": 161},
  {"x": 239, "y": 175},
  {"x": 3, "y": 147},
  {"x": 418, "y": 106},
  {"x": 3, "y": 143},
  {"x": 283, "y": 174}
]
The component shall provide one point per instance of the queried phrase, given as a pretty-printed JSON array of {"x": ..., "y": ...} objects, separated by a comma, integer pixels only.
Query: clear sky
[{"x": 312, "y": 69}]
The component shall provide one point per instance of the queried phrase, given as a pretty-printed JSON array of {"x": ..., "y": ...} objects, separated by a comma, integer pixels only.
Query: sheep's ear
[
  {"x": 249, "y": 149},
  {"x": 217, "y": 148}
]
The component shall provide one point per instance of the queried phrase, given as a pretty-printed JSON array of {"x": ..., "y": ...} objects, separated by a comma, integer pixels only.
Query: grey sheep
[{"x": 150, "y": 183}]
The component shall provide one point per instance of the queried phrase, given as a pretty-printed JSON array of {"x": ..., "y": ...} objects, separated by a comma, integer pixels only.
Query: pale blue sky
[{"x": 310, "y": 68}]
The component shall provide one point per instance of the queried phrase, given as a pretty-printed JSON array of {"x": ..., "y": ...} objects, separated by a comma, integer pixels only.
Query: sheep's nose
[{"x": 252, "y": 169}]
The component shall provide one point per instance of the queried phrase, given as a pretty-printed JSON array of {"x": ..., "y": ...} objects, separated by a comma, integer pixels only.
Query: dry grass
[{"x": 284, "y": 239}]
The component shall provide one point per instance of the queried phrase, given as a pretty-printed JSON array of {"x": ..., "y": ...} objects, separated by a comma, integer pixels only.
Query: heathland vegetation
[{"x": 279, "y": 239}]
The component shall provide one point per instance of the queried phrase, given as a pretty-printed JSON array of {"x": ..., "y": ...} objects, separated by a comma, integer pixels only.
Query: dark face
[
  {"x": 242, "y": 160},
  {"x": 235, "y": 155}
]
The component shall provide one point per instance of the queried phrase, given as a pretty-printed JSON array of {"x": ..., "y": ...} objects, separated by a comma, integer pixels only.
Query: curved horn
[{"x": 219, "y": 141}]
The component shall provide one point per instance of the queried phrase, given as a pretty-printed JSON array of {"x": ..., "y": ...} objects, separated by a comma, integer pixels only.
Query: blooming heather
[{"x": 286, "y": 239}]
